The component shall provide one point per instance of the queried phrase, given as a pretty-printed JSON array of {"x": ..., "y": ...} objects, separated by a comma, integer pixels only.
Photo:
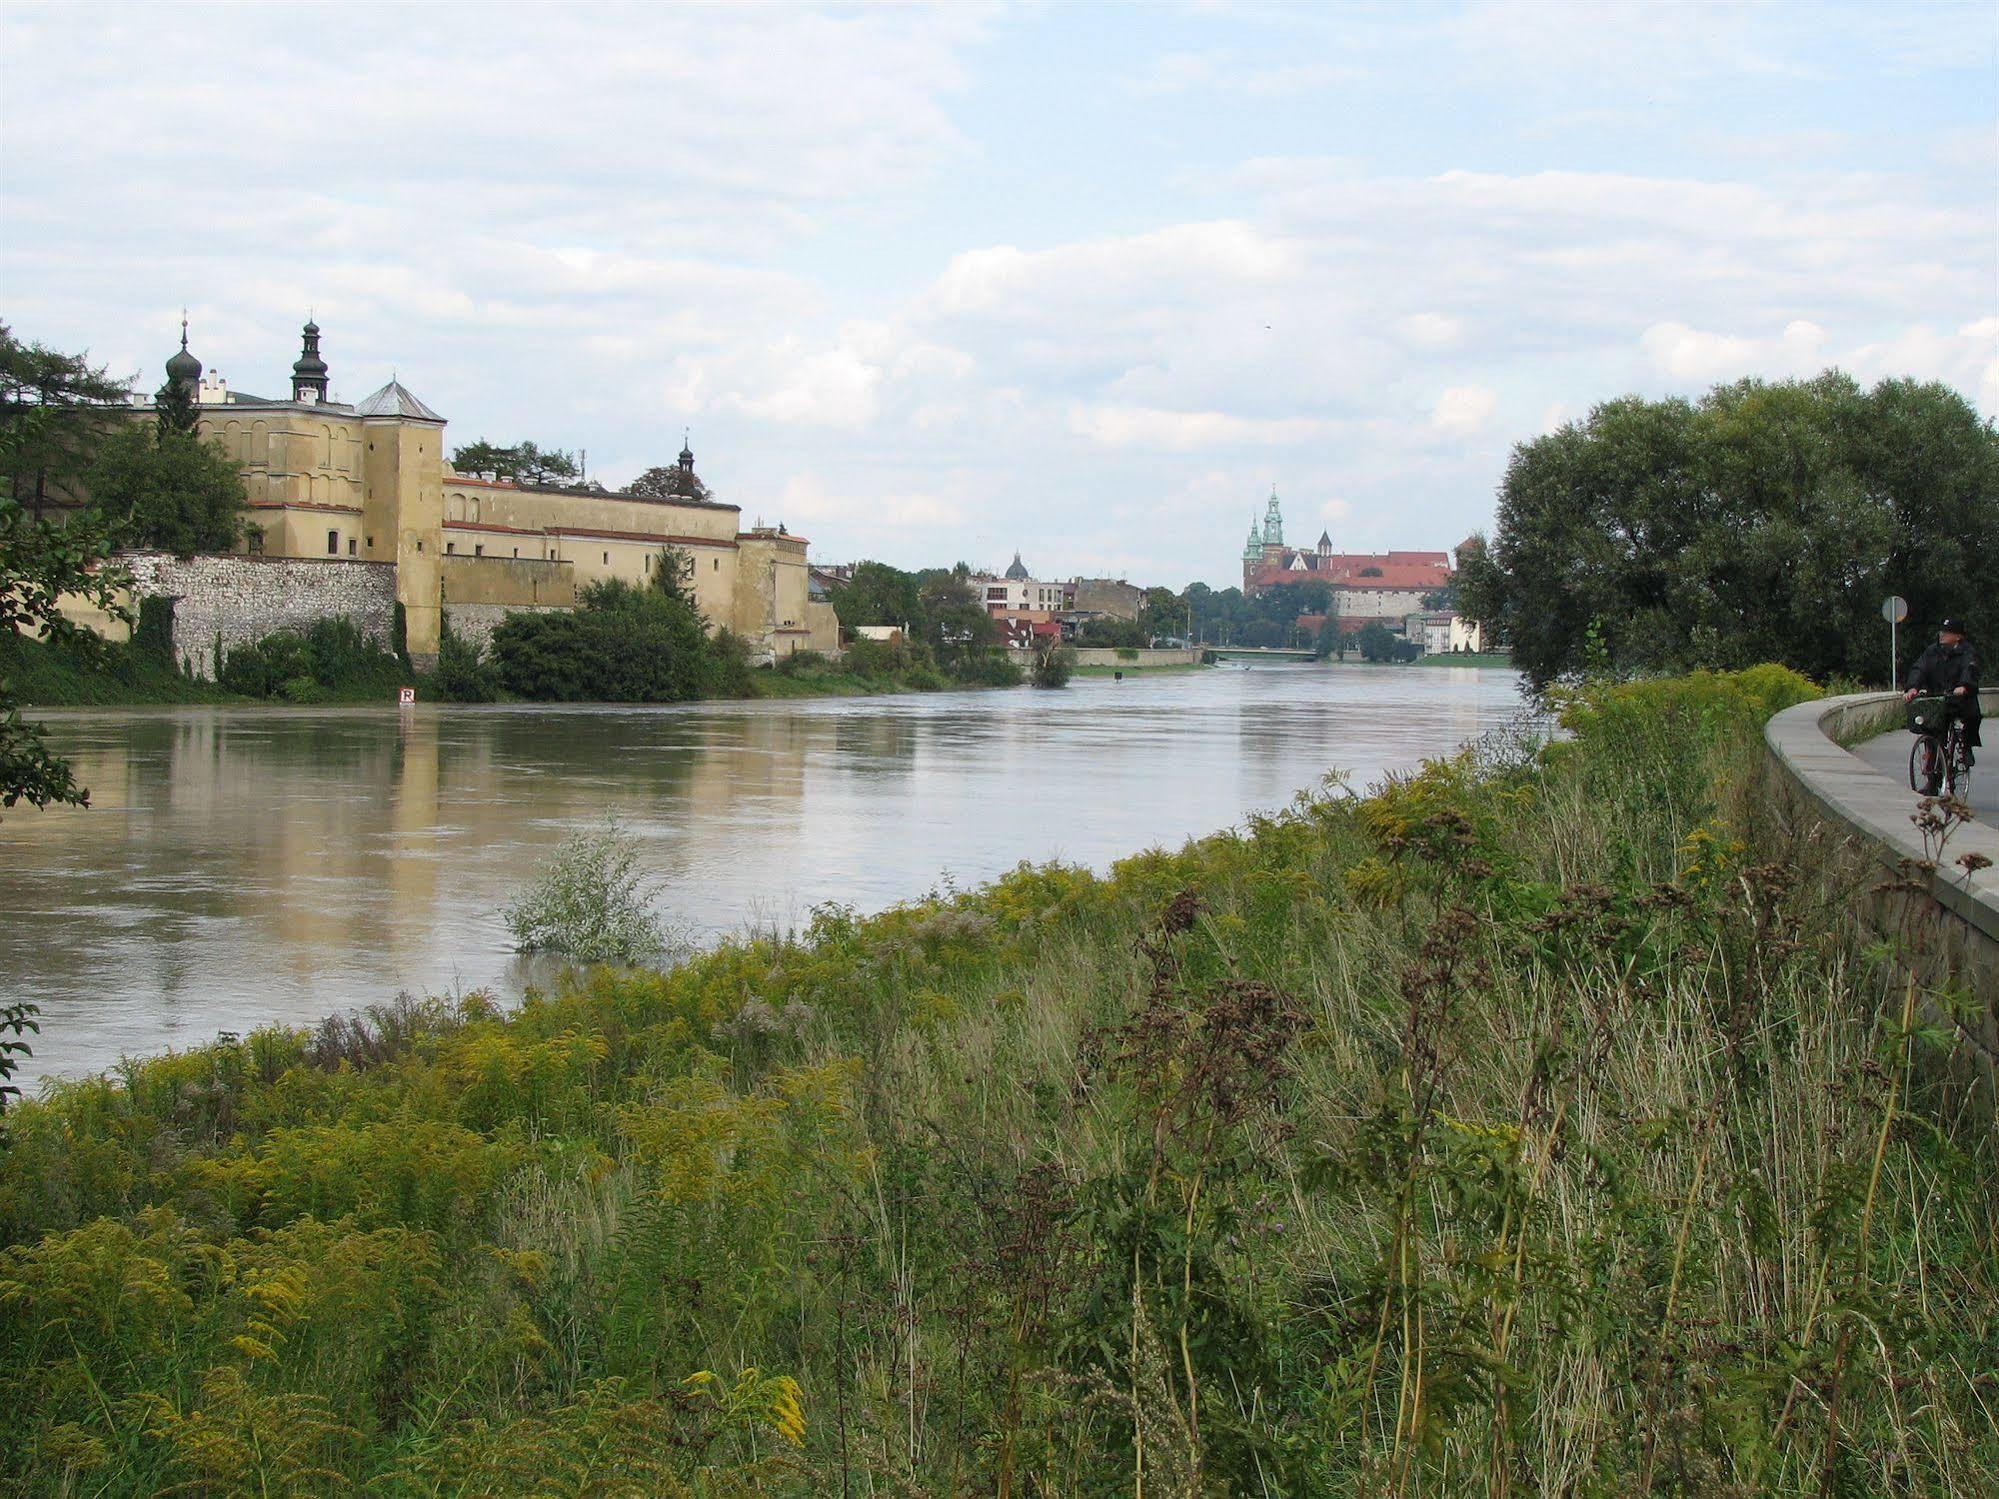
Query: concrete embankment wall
[
  {"x": 237, "y": 600},
  {"x": 1098, "y": 655},
  {"x": 1950, "y": 911}
]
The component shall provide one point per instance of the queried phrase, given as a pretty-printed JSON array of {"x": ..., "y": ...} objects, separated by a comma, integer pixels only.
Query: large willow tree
[{"x": 1765, "y": 522}]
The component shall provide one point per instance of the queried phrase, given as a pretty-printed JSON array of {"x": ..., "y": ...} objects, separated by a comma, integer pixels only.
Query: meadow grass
[{"x": 1546, "y": 1122}]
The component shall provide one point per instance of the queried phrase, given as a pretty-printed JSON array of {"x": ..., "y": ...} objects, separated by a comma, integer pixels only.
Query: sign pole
[{"x": 1894, "y": 609}]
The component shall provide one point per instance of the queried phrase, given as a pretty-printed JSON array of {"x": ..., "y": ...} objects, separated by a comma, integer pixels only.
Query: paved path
[{"x": 1889, "y": 753}]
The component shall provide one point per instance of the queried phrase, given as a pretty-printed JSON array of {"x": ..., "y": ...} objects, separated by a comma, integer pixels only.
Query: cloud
[
  {"x": 1689, "y": 354},
  {"x": 1463, "y": 408},
  {"x": 1178, "y": 431}
]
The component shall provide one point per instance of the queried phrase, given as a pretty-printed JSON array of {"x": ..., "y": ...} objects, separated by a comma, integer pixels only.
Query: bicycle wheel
[
  {"x": 1925, "y": 767},
  {"x": 1958, "y": 775}
]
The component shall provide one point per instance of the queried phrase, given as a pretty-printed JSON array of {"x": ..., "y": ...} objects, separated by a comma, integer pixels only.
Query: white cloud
[
  {"x": 1178, "y": 431},
  {"x": 1463, "y": 408},
  {"x": 1431, "y": 330}
]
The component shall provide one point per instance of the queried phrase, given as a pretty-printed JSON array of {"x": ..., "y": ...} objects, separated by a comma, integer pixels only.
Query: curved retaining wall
[{"x": 1876, "y": 810}]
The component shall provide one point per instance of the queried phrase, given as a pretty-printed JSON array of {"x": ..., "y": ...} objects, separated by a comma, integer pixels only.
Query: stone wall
[
  {"x": 476, "y": 622},
  {"x": 241, "y": 599}
]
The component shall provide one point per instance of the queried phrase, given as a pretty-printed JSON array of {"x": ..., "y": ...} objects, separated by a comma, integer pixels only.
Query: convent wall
[{"x": 238, "y": 600}]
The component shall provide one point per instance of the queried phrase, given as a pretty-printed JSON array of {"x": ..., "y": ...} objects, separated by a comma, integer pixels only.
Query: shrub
[
  {"x": 986, "y": 669},
  {"x": 333, "y": 659},
  {"x": 1054, "y": 668},
  {"x": 622, "y": 645},
  {"x": 591, "y": 903},
  {"x": 462, "y": 675}
]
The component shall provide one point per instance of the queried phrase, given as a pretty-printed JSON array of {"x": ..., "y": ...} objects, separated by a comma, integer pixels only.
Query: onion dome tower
[
  {"x": 309, "y": 374},
  {"x": 183, "y": 369},
  {"x": 686, "y": 453},
  {"x": 1253, "y": 548}
]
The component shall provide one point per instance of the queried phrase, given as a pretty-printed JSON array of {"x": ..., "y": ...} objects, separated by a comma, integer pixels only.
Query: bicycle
[{"x": 1939, "y": 760}]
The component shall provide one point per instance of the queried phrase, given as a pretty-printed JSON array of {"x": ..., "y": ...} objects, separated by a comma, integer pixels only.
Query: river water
[{"x": 244, "y": 865}]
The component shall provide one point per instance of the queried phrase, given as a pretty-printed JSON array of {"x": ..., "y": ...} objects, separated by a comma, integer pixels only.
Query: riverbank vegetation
[{"x": 1543, "y": 1123}]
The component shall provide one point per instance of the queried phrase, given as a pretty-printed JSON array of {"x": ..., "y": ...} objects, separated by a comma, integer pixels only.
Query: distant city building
[
  {"x": 1014, "y": 593},
  {"x": 1106, "y": 598}
]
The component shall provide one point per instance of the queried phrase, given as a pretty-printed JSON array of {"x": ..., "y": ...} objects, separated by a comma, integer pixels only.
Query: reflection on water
[{"x": 238, "y": 866}]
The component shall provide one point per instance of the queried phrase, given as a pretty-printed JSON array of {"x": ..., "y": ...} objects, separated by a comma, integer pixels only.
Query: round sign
[{"x": 1894, "y": 608}]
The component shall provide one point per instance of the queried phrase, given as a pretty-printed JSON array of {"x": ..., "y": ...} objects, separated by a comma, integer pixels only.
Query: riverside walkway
[{"x": 1889, "y": 753}]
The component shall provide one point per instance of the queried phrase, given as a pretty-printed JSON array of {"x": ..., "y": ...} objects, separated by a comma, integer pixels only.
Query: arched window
[{"x": 333, "y": 543}]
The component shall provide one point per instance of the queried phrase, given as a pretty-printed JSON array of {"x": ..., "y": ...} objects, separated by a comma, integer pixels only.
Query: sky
[{"x": 941, "y": 282}]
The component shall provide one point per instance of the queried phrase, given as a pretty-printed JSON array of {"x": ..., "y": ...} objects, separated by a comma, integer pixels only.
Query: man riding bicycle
[{"x": 1949, "y": 669}]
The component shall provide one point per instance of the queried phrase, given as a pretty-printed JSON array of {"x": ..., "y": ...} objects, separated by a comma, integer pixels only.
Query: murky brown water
[{"x": 239, "y": 866}]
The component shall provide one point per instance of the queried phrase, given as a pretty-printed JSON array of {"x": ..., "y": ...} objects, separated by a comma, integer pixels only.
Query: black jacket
[{"x": 1944, "y": 668}]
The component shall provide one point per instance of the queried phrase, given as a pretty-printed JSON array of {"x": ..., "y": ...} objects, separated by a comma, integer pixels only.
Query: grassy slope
[{"x": 1538, "y": 1120}]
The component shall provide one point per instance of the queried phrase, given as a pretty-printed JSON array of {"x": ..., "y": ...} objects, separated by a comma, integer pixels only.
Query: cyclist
[{"x": 1949, "y": 669}]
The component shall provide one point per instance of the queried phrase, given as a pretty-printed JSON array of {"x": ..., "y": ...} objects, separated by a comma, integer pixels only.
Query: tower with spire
[
  {"x": 175, "y": 400},
  {"x": 309, "y": 373}
]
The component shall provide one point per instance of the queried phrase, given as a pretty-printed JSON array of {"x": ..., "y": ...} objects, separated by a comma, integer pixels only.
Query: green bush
[
  {"x": 462, "y": 674},
  {"x": 592, "y": 902},
  {"x": 622, "y": 644},
  {"x": 330, "y": 661},
  {"x": 986, "y": 669},
  {"x": 1054, "y": 668}
]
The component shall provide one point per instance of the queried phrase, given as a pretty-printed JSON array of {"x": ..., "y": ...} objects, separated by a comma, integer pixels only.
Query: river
[{"x": 239, "y": 866}]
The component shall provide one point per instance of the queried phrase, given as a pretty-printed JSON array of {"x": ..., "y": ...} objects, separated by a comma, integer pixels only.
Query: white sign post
[{"x": 1894, "y": 609}]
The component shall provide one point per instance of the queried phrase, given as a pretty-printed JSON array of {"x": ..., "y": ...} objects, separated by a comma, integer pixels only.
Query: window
[
  {"x": 371, "y": 543},
  {"x": 450, "y": 547},
  {"x": 419, "y": 546},
  {"x": 607, "y": 559},
  {"x": 718, "y": 564},
  {"x": 479, "y": 549},
  {"x": 352, "y": 546},
  {"x": 332, "y": 543},
  {"x": 517, "y": 551},
  {"x": 551, "y": 554},
  {"x": 256, "y": 540}
]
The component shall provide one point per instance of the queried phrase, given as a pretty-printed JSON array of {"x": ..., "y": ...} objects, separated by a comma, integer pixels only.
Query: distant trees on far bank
[{"x": 1764, "y": 522}]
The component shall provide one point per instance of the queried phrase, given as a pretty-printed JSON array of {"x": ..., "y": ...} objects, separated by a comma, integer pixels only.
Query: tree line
[{"x": 1766, "y": 521}]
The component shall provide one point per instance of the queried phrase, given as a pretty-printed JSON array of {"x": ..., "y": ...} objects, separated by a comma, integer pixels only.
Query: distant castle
[{"x": 1365, "y": 585}]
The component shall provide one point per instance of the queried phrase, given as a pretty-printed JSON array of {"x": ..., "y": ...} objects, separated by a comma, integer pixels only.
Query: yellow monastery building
[{"x": 370, "y": 482}]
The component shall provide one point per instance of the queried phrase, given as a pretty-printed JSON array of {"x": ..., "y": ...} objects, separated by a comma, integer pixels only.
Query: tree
[
  {"x": 673, "y": 575},
  {"x": 523, "y": 463},
  {"x": 878, "y": 594},
  {"x": 165, "y": 489},
  {"x": 54, "y": 411},
  {"x": 1765, "y": 522},
  {"x": 41, "y": 561},
  {"x": 670, "y": 482},
  {"x": 953, "y": 616},
  {"x": 1054, "y": 665},
  {"x": 1376, "y": 642}
]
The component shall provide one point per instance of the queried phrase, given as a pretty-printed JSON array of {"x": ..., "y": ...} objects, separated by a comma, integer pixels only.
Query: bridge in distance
[{"x": 1260, "y": 652}]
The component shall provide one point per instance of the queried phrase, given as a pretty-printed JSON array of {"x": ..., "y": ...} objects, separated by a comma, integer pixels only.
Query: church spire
[{"x": 1273, "y": 521}]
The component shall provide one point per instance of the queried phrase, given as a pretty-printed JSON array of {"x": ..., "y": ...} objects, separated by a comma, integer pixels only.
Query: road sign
[{"x": 1894, "y": 609}]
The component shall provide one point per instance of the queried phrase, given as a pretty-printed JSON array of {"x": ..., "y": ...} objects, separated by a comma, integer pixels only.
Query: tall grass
[{"x": 1541, "y": 1124}]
